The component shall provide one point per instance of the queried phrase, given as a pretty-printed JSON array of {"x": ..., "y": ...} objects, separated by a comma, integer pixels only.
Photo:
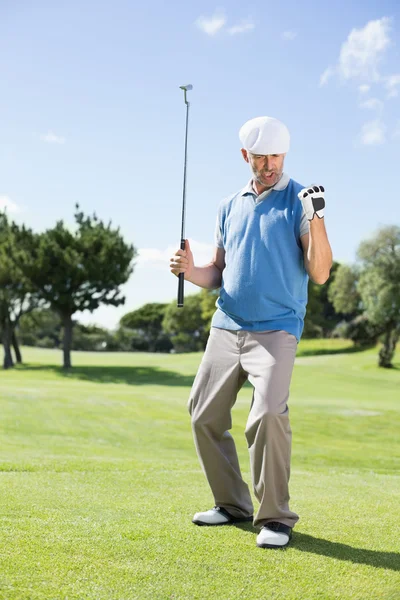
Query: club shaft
[
  {"x": 184, "y": 174},
  {"x": 181, "y": 277}
]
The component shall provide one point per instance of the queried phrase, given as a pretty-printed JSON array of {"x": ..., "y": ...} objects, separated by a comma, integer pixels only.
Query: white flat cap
[{"x": 265, "y": 135}]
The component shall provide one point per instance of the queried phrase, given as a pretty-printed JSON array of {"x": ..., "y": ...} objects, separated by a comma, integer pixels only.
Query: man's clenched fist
[{"x": 313, "y": 201}]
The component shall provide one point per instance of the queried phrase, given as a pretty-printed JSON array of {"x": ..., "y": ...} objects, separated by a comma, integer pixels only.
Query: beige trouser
[{"x": 266, "y": 359}]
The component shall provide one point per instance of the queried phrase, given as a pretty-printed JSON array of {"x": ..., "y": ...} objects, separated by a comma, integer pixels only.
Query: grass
[{"x": 99, "y": 481}]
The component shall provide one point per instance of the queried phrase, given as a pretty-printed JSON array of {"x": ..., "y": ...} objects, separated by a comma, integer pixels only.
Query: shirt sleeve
[
  {"x": 304, "y": 224},
  {"x": 219, "y": 242}
]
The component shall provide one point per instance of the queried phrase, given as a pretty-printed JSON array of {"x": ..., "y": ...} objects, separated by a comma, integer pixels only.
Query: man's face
[{"x": 267, "y": 169}]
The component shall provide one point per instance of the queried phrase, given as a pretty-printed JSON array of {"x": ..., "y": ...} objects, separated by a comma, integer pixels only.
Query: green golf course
[{"x": 100, "y": 479}]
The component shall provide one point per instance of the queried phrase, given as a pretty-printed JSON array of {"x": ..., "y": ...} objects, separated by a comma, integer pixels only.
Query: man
[{"x": 270, "y": 238}]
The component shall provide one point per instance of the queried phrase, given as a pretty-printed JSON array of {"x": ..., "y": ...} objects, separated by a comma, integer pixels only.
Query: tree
[
  {"x": 321, "y": 317},
  {"x": 147, "y": 322},
  {"x": 17, "y": 295},
  {"x": 186, "y": 325},
  {"x": 77, "y": 271},
  {"x": 373, "y": 285}
]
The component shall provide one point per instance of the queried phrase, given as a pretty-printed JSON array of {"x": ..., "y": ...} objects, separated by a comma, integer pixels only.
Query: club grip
[{"x": 181, "y": 282}]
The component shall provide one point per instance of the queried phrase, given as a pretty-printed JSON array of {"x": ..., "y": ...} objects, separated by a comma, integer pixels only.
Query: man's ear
[{"x": 245, "y": 155}]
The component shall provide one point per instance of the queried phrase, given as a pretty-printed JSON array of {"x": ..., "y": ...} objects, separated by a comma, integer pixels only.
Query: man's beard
[{"x": 258, "y": 175}]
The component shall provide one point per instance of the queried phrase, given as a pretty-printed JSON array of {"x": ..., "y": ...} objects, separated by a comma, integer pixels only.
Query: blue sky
[{"x": 91, "y": 112}]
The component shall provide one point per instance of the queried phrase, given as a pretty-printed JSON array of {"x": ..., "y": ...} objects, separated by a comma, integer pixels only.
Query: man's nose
[{"x": 269, "y": 163}]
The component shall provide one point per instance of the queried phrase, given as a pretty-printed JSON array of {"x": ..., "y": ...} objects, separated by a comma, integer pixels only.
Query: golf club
[{"x": 181, "y": 276}]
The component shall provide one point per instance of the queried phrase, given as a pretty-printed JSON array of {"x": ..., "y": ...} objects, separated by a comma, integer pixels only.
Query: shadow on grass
[
  {"x": 314, "y": 545},
  {"x": 148, "y": 375},
  {"x": 128, "y": 375},
  {"x": 247, "y": 527},
  {"x": 361, "y": 556}
]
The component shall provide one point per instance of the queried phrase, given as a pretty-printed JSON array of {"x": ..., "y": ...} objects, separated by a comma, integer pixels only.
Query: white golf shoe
[
  {"x": 217, "y": 516},
  {"x": 274, "y": 535}
]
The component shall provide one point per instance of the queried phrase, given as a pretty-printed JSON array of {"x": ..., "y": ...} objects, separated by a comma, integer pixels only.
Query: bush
[
  {"x": 138, "y": 343},
  {"x": 311, "y": 330},
  {"x": 340, "y": 331},
  {"x": 361, "y": 331},
  {"x": 27, "y": 338},
  {"x": 184, "y": 342},
  {"x": 163, "y": 344},
  {"x": 46, "y": 342},
  {"x": 126, "y": 340},
  {"x": 38, "y": 325},
  {"x": 88, "y": 342}
]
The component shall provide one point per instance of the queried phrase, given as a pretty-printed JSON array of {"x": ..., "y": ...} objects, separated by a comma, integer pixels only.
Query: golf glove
[{"x": 313, "y": 201}]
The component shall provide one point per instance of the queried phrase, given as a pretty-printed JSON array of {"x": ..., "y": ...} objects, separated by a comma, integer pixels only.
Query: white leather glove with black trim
[{"x": 313, "y": 201}]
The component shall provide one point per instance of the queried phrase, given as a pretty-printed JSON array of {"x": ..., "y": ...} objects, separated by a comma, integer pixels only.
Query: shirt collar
[{"x": 278, "y": 187}]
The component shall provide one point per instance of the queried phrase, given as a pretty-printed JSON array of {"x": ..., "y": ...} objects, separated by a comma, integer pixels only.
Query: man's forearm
[
  {"x": 209, "y": 276},
  {"x": 319, "y": 255}
]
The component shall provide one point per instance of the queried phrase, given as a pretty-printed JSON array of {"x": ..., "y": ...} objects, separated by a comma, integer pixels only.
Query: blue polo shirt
[{"x": 264, "y": 283}]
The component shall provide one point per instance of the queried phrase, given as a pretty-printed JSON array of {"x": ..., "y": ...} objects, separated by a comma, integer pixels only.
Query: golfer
[{"x": 270, "y": 238}]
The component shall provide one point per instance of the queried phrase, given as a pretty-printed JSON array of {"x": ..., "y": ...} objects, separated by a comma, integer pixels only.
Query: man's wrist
[
  {"x": 316, "y": 221},
  {"x": 190, "y": 278}
]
